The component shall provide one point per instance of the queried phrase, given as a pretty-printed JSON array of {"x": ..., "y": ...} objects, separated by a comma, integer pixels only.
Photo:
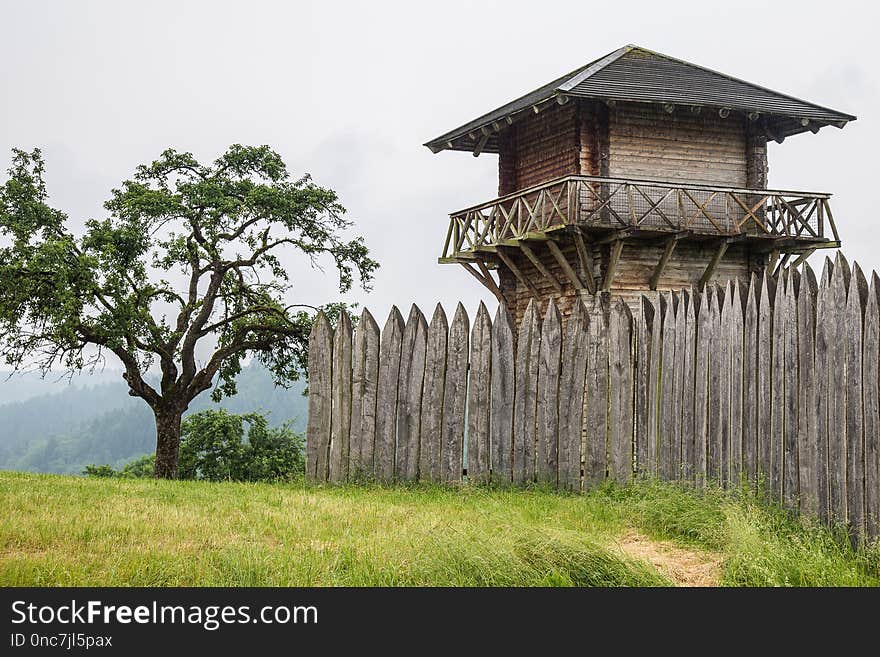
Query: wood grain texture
[
  {"x": 479, "y": 398},
  {"x": 835, "y": 322},
  {"x": 572, "y": 380},
  {"x": 750, "y": 384},
  {"x": 682, "y": 434},
  {"x": 387, "y": 396},
  {"x": 644, "y": 328},
  {"x": 790, "y": 471},
  {"x": 667, "y": 449},
  {"x": 715, "y": 358},
  {"x": 871, "y": 382},
  {"x": 808, "y": 417},
  {"x": 735, "y": 322},
  {"x": 701, "y": 388},
  {"x": 596, "y": 429},
  {"x": 654, "y": 412},
  {"x": 503, "y": 397},
  {"x": 777, "y": 389},
  {"x": 414, "y": 345},
  {"x": 340, "y": 422},
  {"x": 526, "y": 396},
  {"x": 764, "y": 405},
  {"x": 725, "y": 374},
  {"x": 320, "y": 399},
  {"x": 688, "y": 386},
  {"x": 855, "y": 437},
  {"x": 455, "y": 399},
  {"x": 620, "y": 386},
  {"x": 433, "y": 389},
  {"x": 547, "y": 454},
  {"x": 364, "y": 388},
  {"x": 825, "y": 325}
]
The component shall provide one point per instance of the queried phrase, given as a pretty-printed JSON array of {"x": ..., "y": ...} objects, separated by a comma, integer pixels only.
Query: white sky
[{"x": 350, "y": 91}]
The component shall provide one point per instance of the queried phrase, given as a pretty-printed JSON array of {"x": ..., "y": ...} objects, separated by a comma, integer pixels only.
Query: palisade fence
[{"x": 773, "y": 384}]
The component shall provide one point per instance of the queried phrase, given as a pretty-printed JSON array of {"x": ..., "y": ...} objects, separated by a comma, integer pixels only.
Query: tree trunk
[{"x": 167, "y": 443}]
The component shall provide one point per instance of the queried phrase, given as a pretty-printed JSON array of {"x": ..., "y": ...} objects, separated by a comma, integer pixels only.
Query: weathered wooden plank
[
  {"x": 750, "y": 384},
  {"x": 716, "y": 364},
  {"x": 433, "y": 388},
  {"x": 735, "y": 323},
  {"x": 680, "y": 449},
  {"x": 701, "y": 387},
  {"x": 503, "y": 393},
  {"x": 620, "y": 439},
  {"x": 691, "y": 300},
  {"x": 364, "y": 388},
  {"x": 855, "y": 437},
  {"x": 764, "y": 405},
  {"x": 826, "y": 323},
  {"x": 479, "y": 398},
  {"x": 725, "y": 374},
  {"x": 455, "y": 399},
  {"x": 644, "y": 328},
  {"x": 526, "y": 397},
  {"x": 778, "y": 375},
  {"x": 387, "y": 395},
  {"x": 837, "y": 392},
  {"x": 666, "y": 448},
  {"x": 320, "y": 399},
  {"x": 654, "y": 387},
  {"x": 806, "y": 384},
  {"x": 571, "y": 396},
  {"x": 790, "y": 473},
  {"x": 547, "y": 414},
  {"x": 340, "y": 420},
  {"x": 871, "y": 382},
  {"x": 414, "y": 345},
  {"x": 596, "y": 439}
]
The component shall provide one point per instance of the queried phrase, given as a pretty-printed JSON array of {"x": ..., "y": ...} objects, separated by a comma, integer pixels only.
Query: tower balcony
[{"x": 605, "y": 210}]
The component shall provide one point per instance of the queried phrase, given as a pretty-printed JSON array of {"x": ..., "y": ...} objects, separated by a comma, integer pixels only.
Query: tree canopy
[{"x": 190, "y": 255}]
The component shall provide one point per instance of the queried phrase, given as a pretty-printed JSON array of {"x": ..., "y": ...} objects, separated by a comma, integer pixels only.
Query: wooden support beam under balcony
[
  {"x": 713, "y": 263},
  {"x": 668, "y": 249},
  {"x": 566, "y": 266},
  {"x": 522, "y": 278},
  {"x": 536, "y": 261},
  {"x": 585, "y": 260},
  {"x": 613, "y": 262}
]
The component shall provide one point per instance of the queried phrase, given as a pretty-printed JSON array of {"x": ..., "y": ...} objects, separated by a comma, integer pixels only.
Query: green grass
[{"x": 70, "y": 531}]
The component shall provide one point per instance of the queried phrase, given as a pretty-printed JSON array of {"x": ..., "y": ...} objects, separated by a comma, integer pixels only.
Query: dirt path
[{"x": 684, "y": 567}]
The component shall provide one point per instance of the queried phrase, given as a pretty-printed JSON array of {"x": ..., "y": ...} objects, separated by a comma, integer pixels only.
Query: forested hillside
[{"x": 78, "y": 424}]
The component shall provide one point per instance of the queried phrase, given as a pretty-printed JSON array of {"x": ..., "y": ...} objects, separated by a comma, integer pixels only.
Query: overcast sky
[{"x": 349, "y": 91}]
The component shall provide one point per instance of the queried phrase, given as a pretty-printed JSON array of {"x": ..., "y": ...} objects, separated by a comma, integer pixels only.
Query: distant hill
[{"x": 80, "y": 424}]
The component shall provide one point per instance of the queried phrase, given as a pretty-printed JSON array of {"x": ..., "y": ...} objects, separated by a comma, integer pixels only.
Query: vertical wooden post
[
  {"x": 597, "y": 394},
  {"x": 571, "y": 397},
  {"x": 621, "y": 393},
  {"x": 503, "y": 393},
  {"x": 387, "y": 396},
  {"x": 737, "y": 361},
  {"x": 479, "y": 398},
  {"x": 340, "y": 421},
  {"x": 364, "y": 387},
  {"x": 837, "y": 390},
  {"x": 643, "y": 399},
  {"x": 871, "y": 381},
  {"x": 320, "y": 399},
  {"x": 433, "y": 388},
  {"x": 701, "y": 388},
  {"x": 547, "y": 414},
  {"x": 413, "y": 350},
  {"x": 451, "y": 437},
  {"x": 778, "y": 375},
  {"x": 764, "y": 374},
  {"x": 750, "y": 384},
  {"x": 526, "y": 397},
  {"x": 807, "y": 428},
  {"x": 855, "y": 437},
  {"x": 666, "y": 447}
]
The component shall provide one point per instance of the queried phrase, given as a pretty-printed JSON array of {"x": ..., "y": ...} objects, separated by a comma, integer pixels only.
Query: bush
[{"x": 213, "y": 448}]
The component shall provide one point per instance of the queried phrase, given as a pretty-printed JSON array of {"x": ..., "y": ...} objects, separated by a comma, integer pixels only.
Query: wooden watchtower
[{"x": 635, "y": 173}]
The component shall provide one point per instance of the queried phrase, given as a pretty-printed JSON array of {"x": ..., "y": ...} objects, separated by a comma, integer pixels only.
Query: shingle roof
[{"x": 636, "y": 74}]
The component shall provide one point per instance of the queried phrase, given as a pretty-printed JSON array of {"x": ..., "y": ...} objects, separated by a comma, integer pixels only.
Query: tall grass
[{"x": 58, "y": 530}]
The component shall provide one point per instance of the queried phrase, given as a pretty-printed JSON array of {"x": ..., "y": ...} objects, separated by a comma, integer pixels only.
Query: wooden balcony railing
[{"x": 614, "y": 203}]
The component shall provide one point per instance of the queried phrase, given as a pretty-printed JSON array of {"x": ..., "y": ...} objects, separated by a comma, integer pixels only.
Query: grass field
[{"x": 70, "y": 531}]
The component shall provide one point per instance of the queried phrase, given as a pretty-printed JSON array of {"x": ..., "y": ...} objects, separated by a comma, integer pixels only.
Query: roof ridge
[
  {"x": 595, "y": 67},
  {"x": 735, "y": 79}
]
